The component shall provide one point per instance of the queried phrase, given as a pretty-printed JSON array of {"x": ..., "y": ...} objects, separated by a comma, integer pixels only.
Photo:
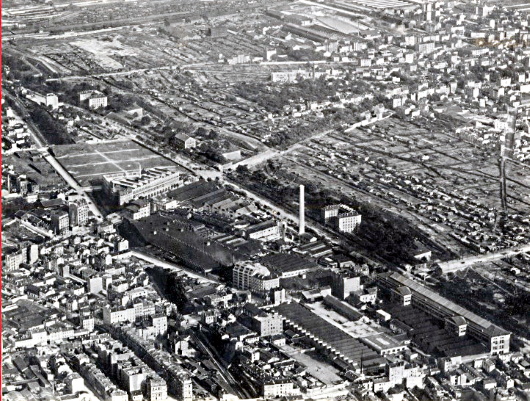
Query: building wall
[
  {"x": 12, "y": 261},
  {"x": 156, "y": 390},
  {"x": 47, "y": 100},
  {"x": 142, "y": 212},
  {"x": 78, "y": 214},
  {"x": 97, "y": 102},
  {"x": 150, "y": 189},
  {"x": 184, "y": 388},
  {"x": 111, "y": 316},
  {"x": 132, "y": 379},
  {"x": 159, "y": 324},
  {"x": 329, "y": 212},
  {"x": 342, "y": 286},
  {"x": 269, "y": 325},
  {"x": 500, "y": 344},
  {"x": 60, "y": 222},
  {"x": 254, "y": 278},
  {"x": 241, "y": 276},
  {"x": 88, "y": 323},
  {"x": 262, "y": 284},
  {"x": 348, "y": 223},
  {"x": 188, "y": 143},
  {"x": 280, "y": 389},
  {"x": 267, "y": 234}
]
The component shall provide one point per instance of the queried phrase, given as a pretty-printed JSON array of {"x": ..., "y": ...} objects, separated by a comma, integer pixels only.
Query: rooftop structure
[
  {"x": 384, "y": 344},
  {"x": 269, "y": 230}
]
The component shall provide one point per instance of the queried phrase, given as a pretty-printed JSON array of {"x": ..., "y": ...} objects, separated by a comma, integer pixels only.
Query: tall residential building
[
  {"x": 156, "y": 390},
  {"x": 159, "y": 324},
  {"x": 343, "y": 284},
  {"x": 342, "y": 217},
  {"x": 60, "y": 221},
  {"x": 95, "y": 99},
  {"x": 183, "y": 387},
  {"x": 78, "y": 213},
  {"x": 13, "y": 260}
]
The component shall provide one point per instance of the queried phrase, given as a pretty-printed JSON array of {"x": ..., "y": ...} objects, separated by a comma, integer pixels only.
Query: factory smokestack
[{"x": 301, "y": 229}]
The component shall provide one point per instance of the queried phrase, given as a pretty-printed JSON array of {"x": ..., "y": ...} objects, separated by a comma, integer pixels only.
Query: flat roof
[
  {"x": 261, "y": 226},
  {"x": 350, "y": 347},
  {"x": 487, "y": 326},
  {"x": 287, "y": 262},
  {"x": 381, "y": 342}
]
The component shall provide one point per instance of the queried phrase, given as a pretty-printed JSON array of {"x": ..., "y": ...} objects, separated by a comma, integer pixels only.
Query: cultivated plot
[{"x": 87, "y": 163}]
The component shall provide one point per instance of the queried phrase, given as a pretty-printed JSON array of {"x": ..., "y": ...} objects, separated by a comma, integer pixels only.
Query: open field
[{"x": 89, "y": 162}]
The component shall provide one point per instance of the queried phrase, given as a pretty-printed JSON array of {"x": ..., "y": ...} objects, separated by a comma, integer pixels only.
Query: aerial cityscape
[{"x": 265, "y": 200}]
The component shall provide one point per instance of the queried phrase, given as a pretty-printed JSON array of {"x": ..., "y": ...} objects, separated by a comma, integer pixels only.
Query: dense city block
[{"x": 265, "y": 199}]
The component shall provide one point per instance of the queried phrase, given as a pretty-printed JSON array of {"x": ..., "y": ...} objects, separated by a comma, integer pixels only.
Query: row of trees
[{"x": 54, "y": 131}]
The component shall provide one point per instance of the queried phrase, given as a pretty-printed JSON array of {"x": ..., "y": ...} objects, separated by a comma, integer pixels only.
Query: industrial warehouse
[
  {"x": 438, "y": 324},
  {"x": 126, "y": 187},
  {"x": 340, "y": 345}
]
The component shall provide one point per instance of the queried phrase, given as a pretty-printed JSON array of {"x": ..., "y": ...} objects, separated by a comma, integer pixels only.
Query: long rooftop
[
  {"x": 339, "y": 340},
  {"x": 451, "y": 307}
]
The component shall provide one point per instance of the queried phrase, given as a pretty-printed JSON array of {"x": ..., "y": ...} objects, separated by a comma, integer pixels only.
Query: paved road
[
  {"x": 272, "y": 153},
  {"x": 168, "y": 265},
  {"x": 460, "y": 264},
  {"x": 70, "y": 181},
  {"x": 41, "y": 143},
  {"x": 37, "y": 230},
  {"x": 34, "y": 132}
]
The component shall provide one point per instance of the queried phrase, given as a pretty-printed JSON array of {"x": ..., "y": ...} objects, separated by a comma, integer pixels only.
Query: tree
[
  {"x": 242, "y": 169},
  {"x": 54, "y": 131},
  {"x": 201, "y": 131},
  {"x": 213, "y": 135}
]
